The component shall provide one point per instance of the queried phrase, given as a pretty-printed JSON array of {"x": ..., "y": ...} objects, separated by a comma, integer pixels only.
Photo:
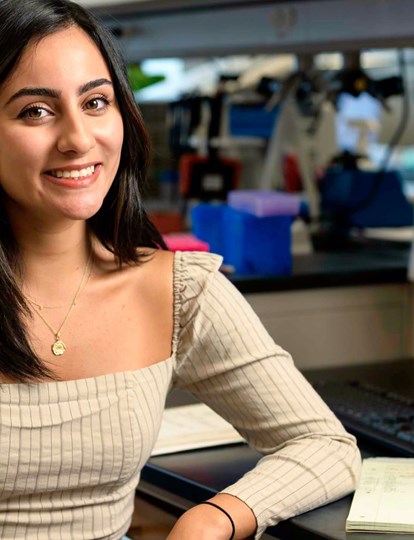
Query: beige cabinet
[{"x": 340, "y": 326}]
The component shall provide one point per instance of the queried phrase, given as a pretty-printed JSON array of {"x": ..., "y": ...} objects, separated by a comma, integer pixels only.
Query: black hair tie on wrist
[{"x": 224, "y": 512}]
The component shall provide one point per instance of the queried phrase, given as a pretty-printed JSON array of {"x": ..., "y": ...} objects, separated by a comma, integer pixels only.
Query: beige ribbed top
[{"x": 71, "y": 452}]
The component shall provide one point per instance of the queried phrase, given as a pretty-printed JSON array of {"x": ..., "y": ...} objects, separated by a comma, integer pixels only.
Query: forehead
[{"x": 64, "y": 58}]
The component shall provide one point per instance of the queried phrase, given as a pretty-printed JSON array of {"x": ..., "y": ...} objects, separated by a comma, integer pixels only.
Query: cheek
[
  {"x": 113, "y": 133},
  {"x": 19, "y": 150},
  {"x": 12, "y": 149}
]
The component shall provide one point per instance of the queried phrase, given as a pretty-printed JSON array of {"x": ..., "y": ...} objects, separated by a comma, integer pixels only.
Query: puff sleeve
[{"x": 226, "y": 358}]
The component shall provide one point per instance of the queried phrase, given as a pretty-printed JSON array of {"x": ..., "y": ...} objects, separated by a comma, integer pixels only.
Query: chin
[{"x": 82, "y": 211}]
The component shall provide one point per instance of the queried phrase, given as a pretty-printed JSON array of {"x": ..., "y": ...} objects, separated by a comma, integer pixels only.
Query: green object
[{"x": 139, "y": 79}]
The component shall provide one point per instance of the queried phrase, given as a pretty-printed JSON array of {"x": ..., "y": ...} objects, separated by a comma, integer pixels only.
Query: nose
[{"x": 75, "y": 134}]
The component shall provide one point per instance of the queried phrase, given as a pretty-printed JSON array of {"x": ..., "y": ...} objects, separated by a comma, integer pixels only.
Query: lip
[{"x": 75, "y": 183}]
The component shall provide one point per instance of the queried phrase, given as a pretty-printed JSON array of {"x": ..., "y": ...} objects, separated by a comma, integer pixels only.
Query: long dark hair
[{"x": 121, "y": 224}]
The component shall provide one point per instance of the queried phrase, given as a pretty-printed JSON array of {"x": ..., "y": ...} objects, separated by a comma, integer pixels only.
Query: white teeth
[{"x": 88, "y": 171}]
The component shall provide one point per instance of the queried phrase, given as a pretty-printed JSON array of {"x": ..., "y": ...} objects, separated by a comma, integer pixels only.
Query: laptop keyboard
[{"x": 372, "y": 413}]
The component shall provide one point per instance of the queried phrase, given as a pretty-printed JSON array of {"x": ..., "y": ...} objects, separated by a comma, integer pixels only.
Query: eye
[
  {"x": 97, "y": 104},
  {"x": 35, "y": 113}
]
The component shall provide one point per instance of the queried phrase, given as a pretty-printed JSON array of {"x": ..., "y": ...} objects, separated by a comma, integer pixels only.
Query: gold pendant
[{"x": 58, "y": 348}]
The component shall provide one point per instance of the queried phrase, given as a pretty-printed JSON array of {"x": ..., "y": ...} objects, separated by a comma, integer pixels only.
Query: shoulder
[
  {"x": 194, "y": 272},
  {"x": 156, "y": 264},
  {"x": 197, "y": 265},
  {"x": 154, "y": 275},
  {"x": 162, "y": 274},
  {"x": 153, "y": 263},
  {"x": 179, "y": 267},
  {"x": 148, "y": 281}
]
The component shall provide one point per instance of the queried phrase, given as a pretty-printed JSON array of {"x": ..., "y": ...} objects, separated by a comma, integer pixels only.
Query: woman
[{"x": 98, "y": 323}]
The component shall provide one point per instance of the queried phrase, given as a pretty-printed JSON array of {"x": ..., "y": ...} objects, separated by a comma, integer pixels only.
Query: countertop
[{"x": 373, "y": 262}]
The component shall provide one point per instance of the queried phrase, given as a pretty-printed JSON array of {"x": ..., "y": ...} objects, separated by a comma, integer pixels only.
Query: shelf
[{"x": 153, "y": 29}]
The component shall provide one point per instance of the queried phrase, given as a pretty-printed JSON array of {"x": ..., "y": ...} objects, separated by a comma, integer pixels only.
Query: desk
[
  {"x": 369, "y": 263},
  {"x": 178, "y": 481}
]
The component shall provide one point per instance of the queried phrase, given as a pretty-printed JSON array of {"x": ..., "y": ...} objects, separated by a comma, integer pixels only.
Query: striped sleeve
[{"x": 228, "y": 360}]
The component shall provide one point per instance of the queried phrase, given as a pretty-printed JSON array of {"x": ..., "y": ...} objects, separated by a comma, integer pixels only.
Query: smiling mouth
[{"x": 75, "y": 173}]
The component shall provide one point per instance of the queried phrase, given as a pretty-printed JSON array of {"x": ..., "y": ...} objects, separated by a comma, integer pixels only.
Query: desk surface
[
  {"x": 180, "y": 480},
  {"x": 371, "y": 263}
]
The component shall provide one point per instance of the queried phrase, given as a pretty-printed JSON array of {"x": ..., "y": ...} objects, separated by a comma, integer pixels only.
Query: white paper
[
  {"x": 384, "y": 500},
  {"x": 193, "y": 426}
]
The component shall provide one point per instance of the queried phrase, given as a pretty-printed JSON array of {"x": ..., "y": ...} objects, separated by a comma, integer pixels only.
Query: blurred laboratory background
[{"x": 283, "y": 138}]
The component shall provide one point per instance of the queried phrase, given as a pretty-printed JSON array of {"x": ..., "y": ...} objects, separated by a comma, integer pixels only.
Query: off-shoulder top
[{"x": 71, "y": 452}]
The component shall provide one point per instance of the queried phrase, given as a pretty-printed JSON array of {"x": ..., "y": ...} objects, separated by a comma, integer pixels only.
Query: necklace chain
[
  {"x": 59, "y": 347},
  {"x": 40, "y": 307}
]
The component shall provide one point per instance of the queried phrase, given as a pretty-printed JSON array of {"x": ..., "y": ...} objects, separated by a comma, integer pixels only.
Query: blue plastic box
[
  {"x": 253, "y": 245},
  {"x": 208, "y": 224}
]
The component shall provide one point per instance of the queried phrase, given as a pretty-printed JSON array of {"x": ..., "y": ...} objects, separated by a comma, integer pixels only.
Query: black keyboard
[{"x": 372, "y": 413}]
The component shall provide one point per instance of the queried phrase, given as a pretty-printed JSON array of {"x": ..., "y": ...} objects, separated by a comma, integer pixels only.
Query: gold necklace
[
  {"x": 59, "y": 347},
  {"x": 40, "y": 307}
]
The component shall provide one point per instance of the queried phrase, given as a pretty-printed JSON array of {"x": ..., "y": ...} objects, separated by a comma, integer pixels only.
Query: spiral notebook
[{"x": 384, "y": 500}]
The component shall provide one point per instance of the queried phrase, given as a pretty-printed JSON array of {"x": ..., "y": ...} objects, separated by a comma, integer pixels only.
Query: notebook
[
  {"x": 384, "y": 500},
  {"x": 193, "y": 426}
]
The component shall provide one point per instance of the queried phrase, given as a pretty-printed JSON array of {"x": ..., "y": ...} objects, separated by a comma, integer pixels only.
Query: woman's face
[{"x": 61, "y": 130}]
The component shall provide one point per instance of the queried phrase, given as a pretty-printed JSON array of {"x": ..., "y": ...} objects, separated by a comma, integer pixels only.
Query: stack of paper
[
  {"x": 384, "y": 500},
  {"x": 193, "y": 426}
]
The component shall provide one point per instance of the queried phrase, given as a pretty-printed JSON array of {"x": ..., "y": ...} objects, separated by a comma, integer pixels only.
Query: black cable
[{"x": 395, "y": 139}]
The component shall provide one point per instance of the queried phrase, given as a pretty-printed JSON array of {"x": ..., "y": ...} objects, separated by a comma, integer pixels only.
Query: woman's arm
[
  {"x": 227, "y": 359},
  {"x": 209, "y": 523}
]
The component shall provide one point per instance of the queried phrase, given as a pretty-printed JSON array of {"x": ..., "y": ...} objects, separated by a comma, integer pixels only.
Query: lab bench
[{"x": 338, "y": 307}]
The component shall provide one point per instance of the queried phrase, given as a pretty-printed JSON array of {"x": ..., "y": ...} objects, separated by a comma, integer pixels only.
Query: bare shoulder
[
  {"x": 152, "y": 276},
  {"x": 156, "y": 262},
  {"x": 157, "y": 268},
  {"x": 159, "y": 259}
]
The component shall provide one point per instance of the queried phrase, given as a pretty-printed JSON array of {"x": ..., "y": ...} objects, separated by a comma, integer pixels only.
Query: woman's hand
[{"x": 204, "y": 522}]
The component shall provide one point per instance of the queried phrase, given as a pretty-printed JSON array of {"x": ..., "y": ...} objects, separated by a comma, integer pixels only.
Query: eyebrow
[{"x": 55, "y": 94}]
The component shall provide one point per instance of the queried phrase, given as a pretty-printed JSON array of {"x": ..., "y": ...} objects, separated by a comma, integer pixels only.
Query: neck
[
  {"x": 52, "y": 260},
  {"x": 44, "y": 235}
]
